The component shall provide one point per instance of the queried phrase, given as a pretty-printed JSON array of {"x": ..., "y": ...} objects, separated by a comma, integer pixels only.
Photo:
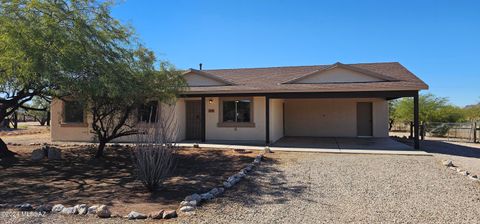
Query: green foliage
[
  {"x": 39, "y": 110},
  {"x": 472, "y": 113},
  {"x": 75, "y": 49},
  {"x": 432, "y": 109}
]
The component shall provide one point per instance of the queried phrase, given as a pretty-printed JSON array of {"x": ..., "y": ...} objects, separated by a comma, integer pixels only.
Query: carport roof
[{"x": 279, "y": 79}]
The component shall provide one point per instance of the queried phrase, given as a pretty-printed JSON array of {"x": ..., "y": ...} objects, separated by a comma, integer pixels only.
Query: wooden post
[
  {"x": 416, "y": 111},
  {"x": 202, "y": 115},
  {"x": 411, "y": 130},
  {"x": 474, "y": 132},
  {"x": 267, "y": 120},
  {"x": 422, "y": 131}
]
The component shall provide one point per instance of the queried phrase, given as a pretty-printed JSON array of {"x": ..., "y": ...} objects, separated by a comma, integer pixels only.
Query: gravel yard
[{"x": 339, "y": 188}]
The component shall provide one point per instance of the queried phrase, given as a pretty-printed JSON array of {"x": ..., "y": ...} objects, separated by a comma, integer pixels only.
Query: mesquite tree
[
  {"x": 75, "y": 49},
  {"x": 30, "y": 60}
]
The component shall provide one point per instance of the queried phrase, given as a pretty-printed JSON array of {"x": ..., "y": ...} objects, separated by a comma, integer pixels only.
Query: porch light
[{"x": 210, "y": 101}]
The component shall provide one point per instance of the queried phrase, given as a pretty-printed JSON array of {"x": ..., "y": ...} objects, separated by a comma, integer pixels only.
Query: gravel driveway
[{"x": 339, "y": 188}]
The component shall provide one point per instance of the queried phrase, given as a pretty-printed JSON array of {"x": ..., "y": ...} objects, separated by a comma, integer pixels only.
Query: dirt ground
[{"x": 78, "y": 178}]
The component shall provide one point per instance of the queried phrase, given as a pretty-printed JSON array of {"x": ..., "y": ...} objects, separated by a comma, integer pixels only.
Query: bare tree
[{"x": 155, "y": 148}]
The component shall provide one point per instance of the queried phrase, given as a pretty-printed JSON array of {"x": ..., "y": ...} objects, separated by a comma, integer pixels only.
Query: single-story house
[{"x": 266, "y": 104}]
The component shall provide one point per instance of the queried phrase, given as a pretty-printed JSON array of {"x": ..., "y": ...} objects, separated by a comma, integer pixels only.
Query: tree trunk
[
  {"x": 4, "y": 152},
  {"x": 101, "y": 147}
]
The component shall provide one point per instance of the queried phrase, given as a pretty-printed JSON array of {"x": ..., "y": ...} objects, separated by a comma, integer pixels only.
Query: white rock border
[
  {"x": 190, "y": 203},
  {"x": 449, "y": 164}
]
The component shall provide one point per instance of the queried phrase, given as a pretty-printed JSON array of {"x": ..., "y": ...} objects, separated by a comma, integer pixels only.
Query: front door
[
  {"x": 193, "y": 119},
  {"x": 364, "y": 119}
]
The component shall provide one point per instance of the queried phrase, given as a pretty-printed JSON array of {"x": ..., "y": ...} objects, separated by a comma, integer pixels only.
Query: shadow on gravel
[
  {"x": 446, "y": 148},
  {"x": 79, "y": 179},
  {"x": 266, "y": 180}
]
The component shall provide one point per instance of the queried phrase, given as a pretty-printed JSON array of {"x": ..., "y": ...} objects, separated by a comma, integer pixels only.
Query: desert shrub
[{"x": 155, "y": 148}]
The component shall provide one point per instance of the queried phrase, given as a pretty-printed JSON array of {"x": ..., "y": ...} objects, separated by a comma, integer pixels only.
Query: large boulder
[
  {"x": 54, "y": 154},
  {"x": 38, "y": 154},
  {"x": 136, "y": 215},
  {"x": 103, "y": 212}
]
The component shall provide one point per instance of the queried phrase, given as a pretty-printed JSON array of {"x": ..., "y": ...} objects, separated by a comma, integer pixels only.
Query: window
[
  {"x": 236, "y": 112},
  {"x": 73, "y": 112},
  {"x": 148, "y": 112}
]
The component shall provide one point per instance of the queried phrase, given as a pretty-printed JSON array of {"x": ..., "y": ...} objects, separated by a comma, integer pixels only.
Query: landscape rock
[
  {"x": 69, "y": 211},
  {"x": 447, "y": 163},
  {"x": 267, "y": 149},
  {"x": 221, "y": 190},
  {"x": 241, "y": 174},
  {"x": 249, "y": 167},
  {"x": 54, "y": 153},
  {"x": 188, "y": 203},
  {"x": 92, "y": 209},
  {"x": 57, "y": 208},
  {"x": 157, "y": 215},
  {"x": 45, "y": 208},
  {"x": 207, "y": 196},
  {"x": 82, "y": 209},
  {"x": 187, "y": 209},
  {"x": 214, "y": 191},
  {"x": 38, "y": 154},
  {"x": 464, "y": 172},
  {"x": 136, "y": 215},
  {"x": 103, "y": 212},
  {"x": 227, "y": 184},
  {"x": 473, "y": 177},
  {"x": 169, "y": 214},
  {"x": 193, "y": 197},
  {"x": 24, "y": 207}
]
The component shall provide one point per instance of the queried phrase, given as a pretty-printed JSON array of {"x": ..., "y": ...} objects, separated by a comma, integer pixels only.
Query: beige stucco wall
[
  {"x": 338, "y": 75},
  {"x": 199, "y": 80},
  {"x": 214, "y": 132},
  {"x": 61, "y": 132},
  {"x": 303, "y": 117},
  {"x": 65, "y": 133},
  {"x": 331, "y": 117},
  {"x": 276, "y": 119}
]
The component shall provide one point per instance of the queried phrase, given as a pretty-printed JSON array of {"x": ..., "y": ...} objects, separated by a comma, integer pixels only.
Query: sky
[{"x": 439, "y": 41}]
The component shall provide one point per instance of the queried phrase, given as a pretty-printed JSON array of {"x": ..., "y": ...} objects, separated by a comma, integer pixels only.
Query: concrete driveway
[
  {"x": 345, "y": 188},
  {"x": 342, "y": 143}
]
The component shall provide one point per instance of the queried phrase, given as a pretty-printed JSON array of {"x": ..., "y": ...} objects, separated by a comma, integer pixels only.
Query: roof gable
[
  {"x": 198, "y": 78},
  {"x": 339, "y": 73}
]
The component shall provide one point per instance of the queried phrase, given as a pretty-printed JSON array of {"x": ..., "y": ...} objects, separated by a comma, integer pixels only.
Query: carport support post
[
  {"x": 416, "y": 112},
  {"x": 202, "y": 119},
  {"x": 267, "y": 120}
]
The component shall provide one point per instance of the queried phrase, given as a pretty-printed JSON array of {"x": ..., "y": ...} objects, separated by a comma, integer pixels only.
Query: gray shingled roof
[{"x": 275, "y": 79}]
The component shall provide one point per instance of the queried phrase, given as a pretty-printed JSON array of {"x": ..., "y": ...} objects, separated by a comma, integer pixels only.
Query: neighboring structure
[{"x": 265, "y": 104}]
